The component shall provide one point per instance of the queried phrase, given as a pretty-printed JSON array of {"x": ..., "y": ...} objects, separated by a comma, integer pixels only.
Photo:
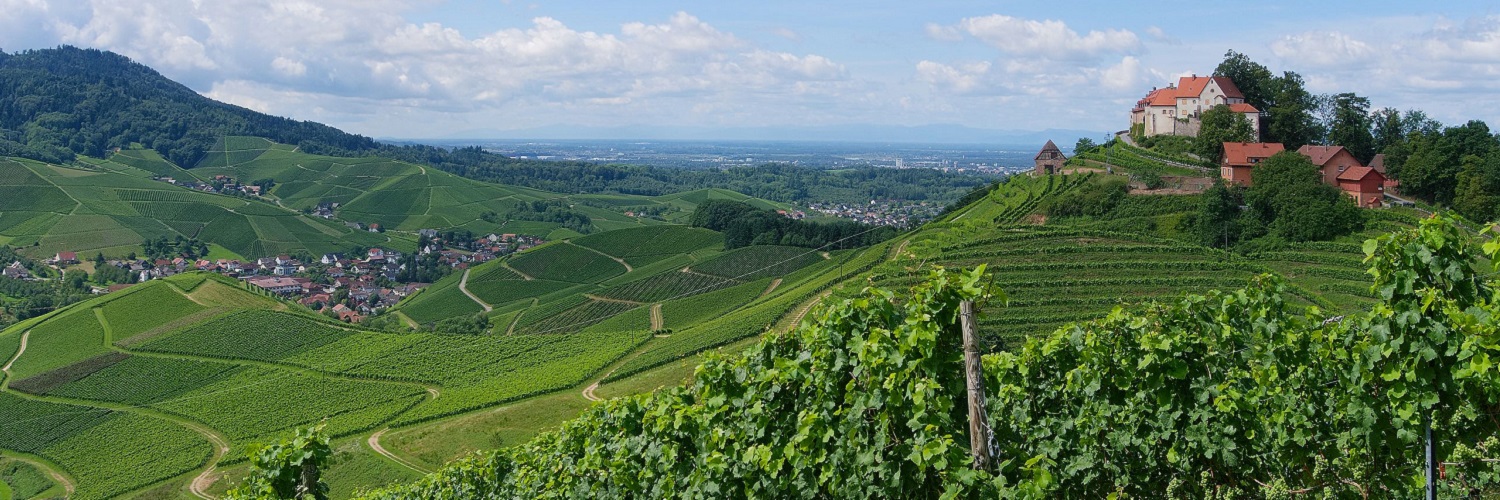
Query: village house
[
  {"x": 1365, "y": 184},
  {"x": 15, "y": 271},
  {"x": 280, "y": 285},
  {"x": 1241, "y": 157},
  {"x": 1176, "y": 110},
  {"x": 1331, "y": 160},
  {"x": 1049, "y": 160},
  {"x": 65, "y": 258}
]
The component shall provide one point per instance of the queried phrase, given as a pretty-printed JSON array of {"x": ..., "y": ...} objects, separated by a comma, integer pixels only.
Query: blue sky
[{"x": 429, "y": 68}]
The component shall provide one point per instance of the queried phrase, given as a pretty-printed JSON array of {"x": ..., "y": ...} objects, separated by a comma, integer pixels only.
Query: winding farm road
[
  {"x": 24, "y": 337},
  {"x": 200, "y": 484},
  {"x": 611, "y": 257},
  {"x": 374, "y": 443},
  {"x": 463, "y": 286}
]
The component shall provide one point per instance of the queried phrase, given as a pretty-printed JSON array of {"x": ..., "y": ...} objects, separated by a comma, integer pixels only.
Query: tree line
[{"x": 744, "y": 225}]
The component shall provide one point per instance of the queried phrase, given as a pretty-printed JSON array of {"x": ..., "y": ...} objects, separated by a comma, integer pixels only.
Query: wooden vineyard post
[{"x": 979, "y": 426}]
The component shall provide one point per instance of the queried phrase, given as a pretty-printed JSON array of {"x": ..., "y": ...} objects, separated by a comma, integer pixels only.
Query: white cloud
[
  {"x": 945, "y": 33},
  {"x": 1322, "y": 49},
  {"x": 964, "y": 79},
  {"x": 352, "y": 57},
  {"x": 1047, "y": 39}
]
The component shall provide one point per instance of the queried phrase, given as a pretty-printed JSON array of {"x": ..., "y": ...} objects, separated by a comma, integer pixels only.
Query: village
[{"x": 350, "y": 287}]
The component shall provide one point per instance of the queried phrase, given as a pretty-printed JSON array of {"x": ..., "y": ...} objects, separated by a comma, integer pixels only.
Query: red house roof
[
  {"x": 1241, "y": 107},
  {"x": 1320, "y": 154},
  {"x": 1357, "y": 173},
  {"x": 1192, "y": 86},
  {"x": 1240, "y": 153}
]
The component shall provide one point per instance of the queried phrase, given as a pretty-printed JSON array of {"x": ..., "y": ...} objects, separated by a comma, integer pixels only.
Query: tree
[
  {"x": 1476, "y": 195},
  {"x": 1255, "y": 81},
  {"x": 1291, "y": 113},
  {"x": 1084, "y": 145},
  {"x": 1350, "y": 125},
  {"x": 1220, "y": 125},
  {"x": 1217, "y": 223},
  {"x": 1386, "y": 128},
  {"x": 1287, "y": 194}
]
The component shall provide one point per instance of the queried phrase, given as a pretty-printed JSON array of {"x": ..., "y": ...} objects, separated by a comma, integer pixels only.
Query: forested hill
[{"x": 55, "y": 103}]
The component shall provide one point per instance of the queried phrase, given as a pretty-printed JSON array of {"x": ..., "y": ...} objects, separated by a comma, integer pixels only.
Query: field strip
[
  {"x": 24, "y": 337},
  {"x": 616, "y": 259},
  {"x": 374, "y": 443},
  {"x": 774, "y": 283},
  {"x": 57, "y": 475},
  {"x": 407, "y": 320},
  {"x": 656, "y": 319},
  {"x": 617, "y": 301},
  {"x": 802, "y": 310},
  {"x": 524, "y": 276},
  {"x": 463, "y": 286}
]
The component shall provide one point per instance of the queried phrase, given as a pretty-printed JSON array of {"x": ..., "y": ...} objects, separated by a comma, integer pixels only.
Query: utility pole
[{"x": 979, "y": 426}]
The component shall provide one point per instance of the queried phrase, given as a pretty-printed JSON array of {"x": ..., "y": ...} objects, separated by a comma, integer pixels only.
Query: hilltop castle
[{"x": 1176, "y": 110}]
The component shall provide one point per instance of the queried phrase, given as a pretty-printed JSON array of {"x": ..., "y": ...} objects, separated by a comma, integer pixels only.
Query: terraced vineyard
[{"x": 1078, "y": 269}]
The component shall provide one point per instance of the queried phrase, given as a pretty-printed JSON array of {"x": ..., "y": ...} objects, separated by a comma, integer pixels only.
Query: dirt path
[
  {"x": 374, "y": 443},
  {"x": 616, "y": 259},
  {"x": 24, "y": 337},
  {"x": 774, "y": 283},
  {"x": 205, "y": 480},
  {"x": 58, "y": 476},
  {"x": 656, "y": 318},
  {"x": 463, "y": 286}
]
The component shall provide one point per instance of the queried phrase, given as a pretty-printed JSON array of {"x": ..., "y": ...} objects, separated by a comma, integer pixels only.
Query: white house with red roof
[{"x": 1176, "y": 110}]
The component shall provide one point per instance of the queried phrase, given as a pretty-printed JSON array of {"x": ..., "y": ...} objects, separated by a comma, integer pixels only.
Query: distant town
[{"x": 349, "y": 287}]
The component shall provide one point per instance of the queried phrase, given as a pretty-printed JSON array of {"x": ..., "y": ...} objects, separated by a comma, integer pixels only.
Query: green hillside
[{"x": 111, "y": 206}]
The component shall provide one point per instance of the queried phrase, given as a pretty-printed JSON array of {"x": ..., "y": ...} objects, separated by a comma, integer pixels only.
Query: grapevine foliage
[
  {"x": 1237, "y": 395},
  {"x": 290, "y": 469}
]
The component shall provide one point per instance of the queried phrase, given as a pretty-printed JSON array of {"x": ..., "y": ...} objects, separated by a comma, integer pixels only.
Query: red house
[
  {"x": 1332, "y": 160},
  {"x": 1240, "y": 157},
  {"x": 1365, "y": 184}
]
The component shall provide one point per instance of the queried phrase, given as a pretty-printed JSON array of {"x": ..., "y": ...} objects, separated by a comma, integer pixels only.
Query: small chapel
[{"x": 1050, "y": 160}]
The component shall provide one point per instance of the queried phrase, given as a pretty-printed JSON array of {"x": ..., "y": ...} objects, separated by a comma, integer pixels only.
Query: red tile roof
[
  {"x": 1320, "y": 154},
  {"x": 1163, "y": 97},
  {"x": 1357, "y": 173},
  {"x": 1378, "y": 163},
  {"x": 1241, "y": 107},
  {"x": 1240, "y": 153},
  {"x": 1192, "y": 86}
]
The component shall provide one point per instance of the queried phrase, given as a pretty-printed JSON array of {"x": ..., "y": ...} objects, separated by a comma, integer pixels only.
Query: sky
[{"x": 444, "y": 69}]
